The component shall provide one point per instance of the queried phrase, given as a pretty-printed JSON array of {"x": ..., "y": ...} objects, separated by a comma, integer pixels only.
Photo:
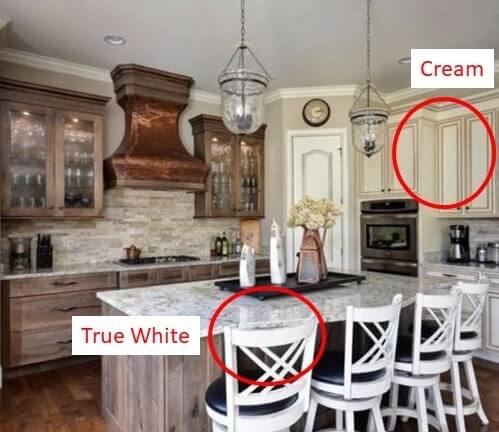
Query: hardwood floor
[{"x": 68, "y": 400}]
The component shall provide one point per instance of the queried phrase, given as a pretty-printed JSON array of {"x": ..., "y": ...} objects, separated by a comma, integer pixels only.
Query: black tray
[{"x": 333, "y": 280}]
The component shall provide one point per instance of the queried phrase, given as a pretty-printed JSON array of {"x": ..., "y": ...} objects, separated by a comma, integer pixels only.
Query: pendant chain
[
  {"x": 368, "y": 41},
  {"x": 243, "y": 22}
]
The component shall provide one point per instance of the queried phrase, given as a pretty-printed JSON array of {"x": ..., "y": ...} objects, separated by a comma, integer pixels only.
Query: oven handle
[
  {"x": 388, "y": 216},
  {"x": 397, "y": 263}
]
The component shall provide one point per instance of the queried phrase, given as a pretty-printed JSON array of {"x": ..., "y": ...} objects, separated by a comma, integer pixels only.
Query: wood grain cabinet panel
[
  {"x": 203, "y": 272},
  {"x": 62, "y": 284},
  {"x": 139, "y": 278},
  {"x": 173, "y": 275},
  {"x": 38, "y": 312},
  {"x": 229, "y": 269}
]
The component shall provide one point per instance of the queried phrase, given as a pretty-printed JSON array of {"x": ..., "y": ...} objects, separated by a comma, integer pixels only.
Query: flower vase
[{"x": 312, "y": 266}]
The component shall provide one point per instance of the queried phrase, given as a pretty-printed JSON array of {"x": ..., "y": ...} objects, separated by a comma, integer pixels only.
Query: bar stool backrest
[
  {"x": 441, "y": 310},
  {"x": 380, "y": 326},
  {"x": 469, "y": 316},
  {"x": 278, "y": 353}
]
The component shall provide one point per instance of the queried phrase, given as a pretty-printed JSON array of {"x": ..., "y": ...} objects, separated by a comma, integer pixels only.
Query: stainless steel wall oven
[{"x": 389, "y": 236}]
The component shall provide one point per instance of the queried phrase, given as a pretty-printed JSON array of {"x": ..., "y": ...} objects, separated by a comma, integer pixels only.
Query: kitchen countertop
[
  {"x": 68, "y": 270},
  {"x": 201, "y": 299},
  {"x": 489, "y": 268}
]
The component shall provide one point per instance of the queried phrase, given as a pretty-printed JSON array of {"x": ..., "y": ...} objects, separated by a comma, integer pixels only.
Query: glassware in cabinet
[{"x": 27, "y": 160}]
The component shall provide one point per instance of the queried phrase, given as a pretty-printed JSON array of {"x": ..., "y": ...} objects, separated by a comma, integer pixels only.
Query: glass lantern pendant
[
  {"x": 369, "y": 114},
  {"x": 243, "y": 83}
]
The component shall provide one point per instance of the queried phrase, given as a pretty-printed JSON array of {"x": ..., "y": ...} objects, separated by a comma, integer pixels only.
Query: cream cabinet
[
  {"x": 376, "y": 175},
  {"x": 463, "y": 157}
]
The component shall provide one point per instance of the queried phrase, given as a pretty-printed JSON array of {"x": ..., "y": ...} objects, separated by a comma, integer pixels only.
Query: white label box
[
  {"x": 452, "y": 68},
  {"x": 136, "y": 335}
]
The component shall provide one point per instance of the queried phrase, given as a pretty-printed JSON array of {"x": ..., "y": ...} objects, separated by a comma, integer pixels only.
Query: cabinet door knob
[
  {"x": 51, "y": 208},
  {"x": 382, "y": 190},
  {"x": 389, "y": 190},
  {"x": 467, "y": 207},
  {"x": 61, "y": 208}
]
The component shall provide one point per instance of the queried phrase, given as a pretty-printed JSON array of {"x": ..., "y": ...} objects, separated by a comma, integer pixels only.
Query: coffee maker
[{"x": 459, "y": 247}]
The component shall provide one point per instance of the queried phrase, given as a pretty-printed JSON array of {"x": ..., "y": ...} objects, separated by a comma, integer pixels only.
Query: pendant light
[
  {"x": 243, "y": 83},
  {"x": 369, "y": 114}
]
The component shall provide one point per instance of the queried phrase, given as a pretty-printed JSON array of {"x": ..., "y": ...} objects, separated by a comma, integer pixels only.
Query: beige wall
[{"x": 285, "y": 115}]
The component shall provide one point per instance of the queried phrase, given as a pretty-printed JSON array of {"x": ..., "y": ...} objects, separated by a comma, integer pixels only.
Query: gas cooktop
[{"x": 169, "y": 259}]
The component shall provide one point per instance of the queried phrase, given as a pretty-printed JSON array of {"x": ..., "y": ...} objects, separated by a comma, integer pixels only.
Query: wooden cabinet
[
  {"x": 376, "y": 176},
  {"x": 463, "y": 158},
  {"x": 36, "y": 315},
  {"x": 51, "y": 151},
  {"x": 236, "y": 183}
]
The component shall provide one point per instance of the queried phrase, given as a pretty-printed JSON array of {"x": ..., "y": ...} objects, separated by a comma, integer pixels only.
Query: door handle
[
  {"x": 66, "y": 342},
  {"x": 64, "y": 284}
]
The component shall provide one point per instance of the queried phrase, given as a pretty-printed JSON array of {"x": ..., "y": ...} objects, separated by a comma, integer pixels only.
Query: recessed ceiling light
[
  {"x": 115, "y": 39},
  {"x": 405, "y": 60}
]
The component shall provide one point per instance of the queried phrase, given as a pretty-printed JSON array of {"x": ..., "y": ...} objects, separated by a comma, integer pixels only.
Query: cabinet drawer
[
  {"x": 204, "y": 272},
  {"x": 139, "y": 278},
  {"x": 450, "y": 274},
  {"x": 29, "y": 347},
  {"x": 229, "y": 269},
  {"x": 173, "y": 275},
  {"x": 38, "y": 312},
  {"x": 262, "y": 266},
  {"x": 62, "y": 284},
  {"x": 493, "y": 280}
]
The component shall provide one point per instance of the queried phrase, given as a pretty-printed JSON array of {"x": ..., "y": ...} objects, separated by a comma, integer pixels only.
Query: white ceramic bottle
[
  {"x": 277, "y": 258},
  {"x": 247, "y": 267}
]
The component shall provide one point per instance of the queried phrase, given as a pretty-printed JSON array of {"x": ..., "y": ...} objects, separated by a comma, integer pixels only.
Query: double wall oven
[{"x": 389, "y": 236}]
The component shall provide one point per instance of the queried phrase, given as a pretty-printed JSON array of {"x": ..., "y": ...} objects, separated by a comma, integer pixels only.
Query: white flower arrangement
[{"x": 314, "y": 214}]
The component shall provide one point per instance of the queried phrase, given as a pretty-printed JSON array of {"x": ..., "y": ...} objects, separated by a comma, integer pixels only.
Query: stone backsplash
[{"x": 158, "y": 222}]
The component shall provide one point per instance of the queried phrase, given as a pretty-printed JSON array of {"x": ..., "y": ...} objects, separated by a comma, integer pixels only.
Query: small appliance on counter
[
  {"x": 20, "y": 253},
  {"x": 481, "y": 254},
  {"x": 493, "y": 252},
  {"x": 44, "y": 251},
  {"x": 459, "y": 247}
]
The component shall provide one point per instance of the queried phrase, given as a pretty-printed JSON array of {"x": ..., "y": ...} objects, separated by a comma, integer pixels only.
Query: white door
[
  {"x": 477, "y": 164},
  {"x": 317, "y": 172}
]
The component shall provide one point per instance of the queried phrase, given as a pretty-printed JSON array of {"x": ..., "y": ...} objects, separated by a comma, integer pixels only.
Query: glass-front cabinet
[
  {"x": 51, "y": 157},
  {"x": 235, "y": 182},
  {"x": 79, "y": 162}
]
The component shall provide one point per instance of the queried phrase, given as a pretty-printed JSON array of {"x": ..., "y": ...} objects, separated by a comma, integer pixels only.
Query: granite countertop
[
  {"x": 201, "y": 299},
  {"x": 69, "y": 270},
  {"x": 489, "y": 268}
]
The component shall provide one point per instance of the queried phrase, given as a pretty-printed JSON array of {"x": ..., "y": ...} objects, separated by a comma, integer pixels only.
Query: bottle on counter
[
  {"x": 238, "y": 247},
  {"x": 225, "y": 245},
  {"x": 213, "y": 246},
  {"x": 218, "y": 246}
]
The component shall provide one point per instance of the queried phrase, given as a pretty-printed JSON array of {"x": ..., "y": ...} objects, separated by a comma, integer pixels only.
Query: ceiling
[{"x": 301, "y": 42}]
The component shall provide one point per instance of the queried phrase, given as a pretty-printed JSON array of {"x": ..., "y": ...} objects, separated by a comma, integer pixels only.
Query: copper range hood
[{"x": 151, "y": 154}]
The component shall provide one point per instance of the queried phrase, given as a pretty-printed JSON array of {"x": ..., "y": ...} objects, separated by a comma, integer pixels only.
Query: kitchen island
[{"x": 166, "y": 394}]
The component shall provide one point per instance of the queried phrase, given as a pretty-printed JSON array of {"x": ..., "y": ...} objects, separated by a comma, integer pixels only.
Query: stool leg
[
  {"x": 472, "y": 382},
  {"x": 411, "y": 402},
  {"x": 457, "y": 396},
  {"x": 421, "y": 407},
  {"x": 439, "y": 408},
  {"x": 378, "y": 419},
  {"x": 312, "y": 410},
  {"x": 394, "y": 397},
  {"x": 339, "y": 420},
  {"x": 350, "y": 421}
]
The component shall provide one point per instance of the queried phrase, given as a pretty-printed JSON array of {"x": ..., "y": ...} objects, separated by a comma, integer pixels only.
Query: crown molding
[
  {"x": 204, "y": 96},
  {"x": 303, "y": 92},
  {"x": 53, "y": 65}
]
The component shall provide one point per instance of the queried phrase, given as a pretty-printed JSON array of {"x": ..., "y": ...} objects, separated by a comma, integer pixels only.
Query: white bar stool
[
  {"x": 236, "y": 407},
  {"x": 349, "y": 381},
  {"x": 467, "y": 339},
  {"x": 420, "y": 361}
]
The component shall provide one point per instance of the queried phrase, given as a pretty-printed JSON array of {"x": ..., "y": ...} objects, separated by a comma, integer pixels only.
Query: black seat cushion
[
  {"x": 404, "y": 351},
  {"x": 331, "y": 369},
  {"x": 216, "y": 398},
  {"x": 430, "y": 327}
]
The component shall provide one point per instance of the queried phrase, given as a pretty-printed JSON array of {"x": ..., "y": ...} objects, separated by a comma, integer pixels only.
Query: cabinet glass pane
[
  {"x": 222, "y": 158},
  {"x": 79, "y": 169},
  {"x": 249, "y": 176},
  {"x": 28, "y": 159}
]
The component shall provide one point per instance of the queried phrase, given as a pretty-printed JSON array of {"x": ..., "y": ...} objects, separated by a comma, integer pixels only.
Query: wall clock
[{"x": 316, "y": 112}]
